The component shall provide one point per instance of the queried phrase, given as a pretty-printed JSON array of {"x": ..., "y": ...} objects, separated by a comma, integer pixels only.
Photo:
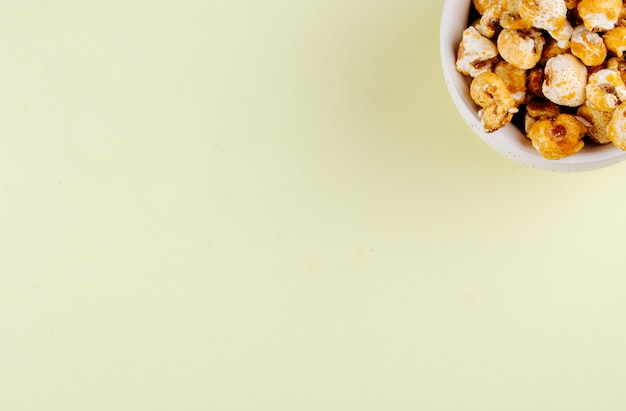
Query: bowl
[{"x": 508, "y": 141}]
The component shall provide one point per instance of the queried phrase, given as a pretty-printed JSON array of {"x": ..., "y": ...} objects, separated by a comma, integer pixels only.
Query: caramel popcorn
[
  {"x": 599, "y": 15},
  {"x": 618, "y": 65},
  {"x": 487, "y": 25},
  {"x": 483, "y": 5},
  {"x": 598, "y": 122},
  {"x": 563, "y": 34},
  {"x": 491, "y": 93},
  {"x": 605, "y": 89},
  {"x": 588, "y": 46},
  {"x": 615, "y": 40},
  {"x": 565, "y": 78},
  {"x": 515, "y": 80},
  {"x": 558, "y": 138},
  {"x": 558, "y": 66},
  {"x": 544, "y": 14},
  {"x": 617, "y": 127},
  {"x": 476, "y": 53},
  {"x": 521, "y": 48}
]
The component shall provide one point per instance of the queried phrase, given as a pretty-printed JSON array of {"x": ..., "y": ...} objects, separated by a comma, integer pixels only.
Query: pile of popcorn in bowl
[{"x": 555, "y": 68}]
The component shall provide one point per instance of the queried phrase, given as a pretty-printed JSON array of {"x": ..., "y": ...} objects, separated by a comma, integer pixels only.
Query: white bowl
[{"x": 508, "y": 141}]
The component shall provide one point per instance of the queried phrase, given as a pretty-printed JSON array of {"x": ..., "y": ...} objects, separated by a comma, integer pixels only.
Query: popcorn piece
[
  {"x": 511, "y": 18},
  {"x": 490, "y": 92},
  {"x": 538, "y": 110},
  {"x": 604, "y": 89},
  {"x": 617, "y": 127},
  {"x": 483, "y": 5},
  {"x": 487, "y": 25},
  {"x": 598, "y": 123},
  {"x": 615, "y": 40},
  {"x": 515, "y": 80},
  {"x": 476, "y": 53},
  {"x": 563, "y": 35},
  {"x": 521, "y": 48},
  {"x": 618, "y": 65},
  {"x": 565, "y": 78},
  {"x": 599, "y": 15},
  {"x": 558, "y": 138},
  {"x": 588, "y": 46},
  {"x": 571, "y": 4},
  {"x": 544, "y": 14}
]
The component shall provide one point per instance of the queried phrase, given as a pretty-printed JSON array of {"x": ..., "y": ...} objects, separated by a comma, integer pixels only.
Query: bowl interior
[{"x": 508, "y": 141}]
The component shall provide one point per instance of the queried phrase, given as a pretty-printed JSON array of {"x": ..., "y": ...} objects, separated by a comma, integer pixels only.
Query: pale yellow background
[{"x": 273, "y": 205}]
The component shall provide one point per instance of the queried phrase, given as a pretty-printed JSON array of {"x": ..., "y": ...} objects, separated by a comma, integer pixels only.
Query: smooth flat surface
[{"x": 212, "y": 205}]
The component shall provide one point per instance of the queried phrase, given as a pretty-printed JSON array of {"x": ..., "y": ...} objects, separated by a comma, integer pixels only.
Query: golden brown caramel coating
[
  {"x": 483, "y": 5},
  {"x": 476, "y": 53},
  {"x": 558, "y": 138},
  {"x": 618, "y": 65},
  {"x": 544, "y": 14},
  {"x": 550, "y": 59},
  {"x": 588, "y": 46},
  {"x": 563, "y": 34},
  {"x": 515, "y": 80},
  {"x": 597, "y": 129},
  {"x": 487, "y": 25},
  {"x": 605, "y": 89},
  {"x": 615, "y": 41},
  {"x": 522, "y": 49},
  {"x": 599, "y": 15},
  {"x": 491, "y": 93}
]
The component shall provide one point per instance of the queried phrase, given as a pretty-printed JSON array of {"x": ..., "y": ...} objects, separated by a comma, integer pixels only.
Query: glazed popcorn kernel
[
  {"x": 599, "y": 15},
  {"x": 476, "y": 53},
  {"x": 597, "y": 129},
  {"x": 521, "y": 48},
  {"x": 605, "y": 89},
  {"x": 498, "y": 106},
  {"x": 588, "y": 46},
  {"x": 563, "y": 34},
  {"x": 558, "y": 138},
  {"x": 482, "y": 5},
  {"x": 556, "y": 69},
  {"x": 515, "y": 80},
  {"x": 487, "y": 25},
  {"x": 618, "y": 65},
  {"x": 615, "y": 40}
]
